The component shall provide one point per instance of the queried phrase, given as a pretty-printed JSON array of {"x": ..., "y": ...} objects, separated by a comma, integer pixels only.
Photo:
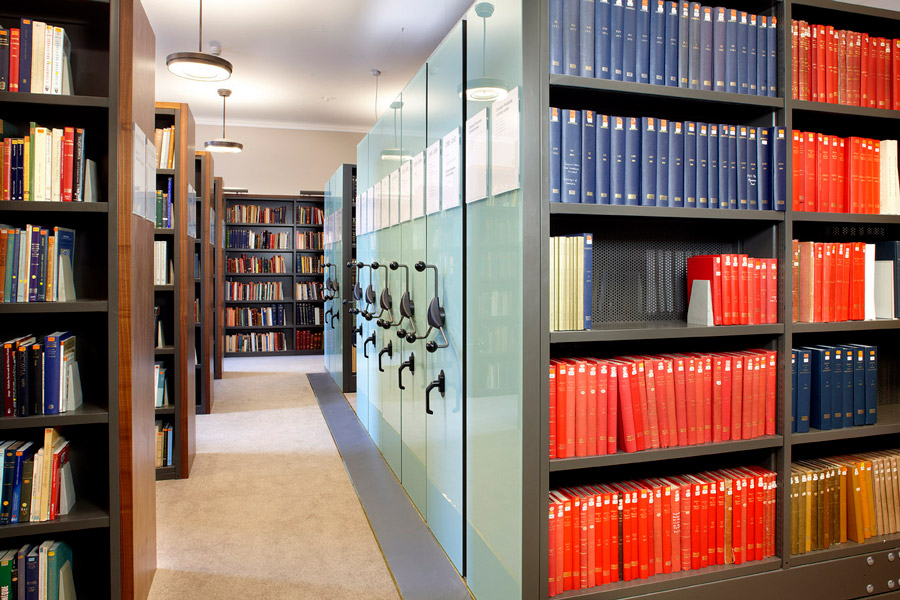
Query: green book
[
  {"x": 159, "y": 208},
  {"x": 59, "y": 554},
  {"x": 7, "y": 562},
  {"x": 25, "y": 497}
]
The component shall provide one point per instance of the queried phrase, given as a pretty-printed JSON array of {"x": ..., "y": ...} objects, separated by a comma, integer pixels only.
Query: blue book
[
  {"x": 32, "y": 574},
  {"x": 617, "y": 161},
  {"x": 690, "y": 164},
  {"x": 742, "y": 53},
  {"x": 859, "y": 385},
  {"x": 617, "y": 39},
  {"x": 603, "y": 158},
  {"x": 713, "y": 175},
  {"x": 671, "y": 62},
  {"x": 629, "y": 52},
  {"x": 779, "y": 165},
  {"x": 702, "y": 165},
  {"x": 794, "y": 391},
  {"x": 730, "y": 167},
  {"x": 871, "y": 359},
  {"x": 762, "y": 55},
  {"x": 588, "y": 279},
  {"x": 846, "y": 385},
  {"x": 571, "y": 156},
  {"x": 662, "y": 163},
  {"x": 731, "y": 53},
  {"x": 772, "y": 58},
  {"x": 556, "y": 37},
  {"x": 633, "y": 162},
  {"x": 52, "y": 366},
  {"x": 837, "y": 380},
  {"x": 25, "y": 43},
  {"x": 169, "y": 445},
  {"x": 719, "y": 44},
  {"x": 602, "y": 62},
  {"x": 804, "y": 389},
  {"x": 648, "y": 161},
  {"x": 586, "y": 41},
  {"x": 684, "y": 43},
  {"x": 555, "y": 156},
  {"x": 643, "y": 43},
  {"x": 752, "y": 33},
  {"x": 658, "y": 43},
  {"x": 676, "y": 165},
  {"x": 694, "y": 46},
  {"x": 9, "y": 470},
  {"x": 22, "y": 454},
  {"x": 588, "y": 164},
  {"x": 706, "y": 49},
  {"x": 741, "y": 150},
  {"x": 820, "y": 390},
  {"x": 571, "y": 10},
  {"x": 764, "y": 158},
  {"x": 752, "y": 170},
  {"x": 21, "y": 557}
]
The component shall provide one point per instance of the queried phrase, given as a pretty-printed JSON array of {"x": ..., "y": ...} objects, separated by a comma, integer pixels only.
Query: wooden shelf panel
[
  {"x": 660, "y": 212},
  {"x": 164, "y": 410},
  {"x": 62, "y": 207},
  {"x": 85, "y": 515},
  {"x": 78, "y": 306},
  {"x": 657, "y": 330},
  {"x": 888, "y": 424},
  {"x": 86, "y": 414},
  {"x": 164, "y": 288},
  {"x": 164, "y": 350},
  {"x": 163, "y": 473},
  {"x": 875, "y": 325}
]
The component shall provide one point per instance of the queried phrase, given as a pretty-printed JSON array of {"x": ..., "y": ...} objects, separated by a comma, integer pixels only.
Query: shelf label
[
  {"x": 395, "y": 197},
  {"x": 450, "y": 174},
  {"x": 418, "y": 185},
  {"x": 433, "y": 178},
  {"x": 476, "y": 157},
  {"x": 138, "y": 173},
  {"x": 505, "y": 144},
  {"x": 405, "y": 170}
]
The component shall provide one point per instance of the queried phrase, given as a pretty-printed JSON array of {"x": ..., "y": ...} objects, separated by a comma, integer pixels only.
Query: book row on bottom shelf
[
  {"x": 37, "y": 264},
  {"x": 309, "y": 340},
  {"x": 165, "y": 445},
  {"x": 40, "y": 375},
  {"x": 39, "y": 571},
  {"x": 271, "y": 341}
]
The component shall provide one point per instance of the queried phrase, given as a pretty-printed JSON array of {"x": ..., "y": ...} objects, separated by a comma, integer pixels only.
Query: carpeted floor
[{"x": 268, "y": 511}]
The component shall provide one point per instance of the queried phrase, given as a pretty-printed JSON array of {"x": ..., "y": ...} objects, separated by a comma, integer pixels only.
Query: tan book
[
  {"x": 844, "y": 480},
  {"x": 579, "y": 282},
  {"x": 807, "y": 281},
  {"x": 552, "y": 283},
  {"x": 869, "y": 493},
  {"x": 171, "y": 155},
  {"x": 51, "y": 437},
  {"x": 795, "y": 513},
  {"x": 157, "y": 142},
  {"x": 855, "y": 499},
  {"x": 878, "y": 484}
]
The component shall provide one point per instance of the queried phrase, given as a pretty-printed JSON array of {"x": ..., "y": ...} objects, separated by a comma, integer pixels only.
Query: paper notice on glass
[
  {"x": 138, "y": 180},
  {"x": 505, "y": 144},
  {"x": 433, "y": 179},
  {"x": 450, "y": 174},
  {"x": 150, "y": 182},
  {"x": 377, "y": 208},
  {"x": 418, "y": 185},
  {"x": 476, "y": 157},
  {"x": 386, "y": 202},
  {"x": 370, "y": 211},
  {"x": 405, "y": 170},
  {"x": 395, "y": 197}
]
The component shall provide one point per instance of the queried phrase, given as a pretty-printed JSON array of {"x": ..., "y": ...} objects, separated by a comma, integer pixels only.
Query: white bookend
[
  {"x": 870, "y": 283},
  {"x": 884, "y": 289},
  {"x": 700, "y": 309},
  {"x": 66, "y": 582},
  {"x": 66, "y": 489},
  {"x": 73, "y": 396},
  {"x": 66, "y": 281},
  {"x": 90, "y": 181}
]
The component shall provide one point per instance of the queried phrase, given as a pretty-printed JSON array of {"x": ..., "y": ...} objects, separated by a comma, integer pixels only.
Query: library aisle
[{"x": 269, "y": 511}]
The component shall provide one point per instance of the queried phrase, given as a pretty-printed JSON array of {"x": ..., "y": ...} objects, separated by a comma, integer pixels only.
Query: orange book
[
  {"x": 552, "y": 416},
  {"x": 798, "y": 163},
  {"x": 743, "y": 287},
  {"x": 823, "y": 180},
  {"x": 876, "y": 178},
  {"x": 571, "y": 407},
  {"x": 627, "y": 429},
  {"x": 718, "y": 364},
  {"x": 665, "y": 386},
  {"x": 811, "y": 173},
  {"x": 675, "y": 510},
  {"x": 648, "y": 404},
  {"x": 639, "y": 403},
  {"x": 857, "y": 281},
  {"x": 819, "y": 282},
  {"x": 658, "y": 423},
  {"x": 552, "y": 556}
]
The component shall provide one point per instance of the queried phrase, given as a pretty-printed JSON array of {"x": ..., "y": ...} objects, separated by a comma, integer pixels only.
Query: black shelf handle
[
  {"x": 354, "y": 333},
  {"x": 389, "y": 350},
  {"x": 335, "y": 315},
  {"x": 370, "y": 339},
  {"x": 438, "y": 383},
  {"x": 408, "y": 363}
]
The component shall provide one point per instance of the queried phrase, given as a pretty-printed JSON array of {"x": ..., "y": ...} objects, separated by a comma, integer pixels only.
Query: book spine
[
  {"x": 36, "y": 379},
  {"x": 571, "y": 156},
  {"x": 690, "y": 164},
  {"x": 671, "y": 60},
  {"x": 617, "y": 161},
  {"x": 752, "y": 58},
  {"x": 648, "y": 161},
  {"x": 658, "y": 43},
  {"x": 644, "y": 43},
  {"x": 586, "y": 39},
  {"x": 68, "y": 157},
  {"x": 703, "y": 165},
  {"x": 764, "y": 156},
  {"x": 743, "y": 27},
  {"x": 14, "y": 52},
  {"x": 588, "y": 280},
  {"x": 603, "y": 159},
  {"x": 752, "y": 170},
  {"x": 633, "y": 162},
  {"x": 4, "y": 60},
  {"x": 617, "y": 40},
  {"x": 9, "y": 469},
  {"x": 762, "y": 55},
  {"x": 602, "y": 61},
  {"x": 772, "y": 58},
  {"x": 694, "y": 26},
  {"x": 713, "y": 174},
  {"x": 556, "y": 37},
  {"x": 555, "y": 164},
  {"x": 629, "y": 48},
  {"x": 571, "y": 36},
  {"x": 662, "y": 163},
  {"x": 588, "y": 157},
  {"x": 676, "y": 166},
  {"x": 720, "y": 44},
  {"x": 25, "y": 29},
  {"x": 731, "y": 52},
  {"x": 51, "y": 375},
  {"x": 684, "y": 43},
  {"x": 706, "y": 48}
]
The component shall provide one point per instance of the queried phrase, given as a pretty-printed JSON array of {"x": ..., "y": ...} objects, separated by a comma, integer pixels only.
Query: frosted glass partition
[
  {"x": 334, "y": 194},
  {"x": 363, "y": 184}
]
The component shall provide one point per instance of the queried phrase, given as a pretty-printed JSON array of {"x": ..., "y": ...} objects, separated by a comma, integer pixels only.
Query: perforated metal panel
[{"x": 888, "y": 374}]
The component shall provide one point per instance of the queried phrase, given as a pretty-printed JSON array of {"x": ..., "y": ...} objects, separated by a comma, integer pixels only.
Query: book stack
[
  {"x": 845, "y": 281},
  {"x": 633, "y": 403},
  {"x": 37, "y": 264},
  {"x": 309, "y": 240},
  {"x": 834, "y": 387},
  {"x": 251, "y": 213},
  {"x": 645, "y": 161},
  {"x": 240, "y": 239},
  {"x": 844, "y": 498},
  {"x": 272, "y": 341},
  {"x": 255, "y": 317},
  {"x": 40, "y": 375},
  {"x": 674, "y": 43},
  {"x": 162, "y": 265},
  {"x": 309, "y": 314},
  {"x": 165, "y": 213},
  {"x": 632, "y": 530},
  {"x": 254, "y": 264},
  {"x": 844, "y": 67},
  {"x": 844, "y": 175},
  {"x": 310, "y": 215},
  {"x": 308, "y": 340},
  {"x": 309, "y": 264},
  {"x": 744, "y": 289},
  {"x": 34, "y": 58},
  {"x": 160, "y": 386},
  {"x": 309, "y": 290},
  {"x": 196, "y": 310},
  {"x": 253, "y": 291},
  {"x": 32, "y": 569},
  {"x": 165, "y": 433},
  {"x": 164, "y": 140},
  {"x": 571, "y": 287}
]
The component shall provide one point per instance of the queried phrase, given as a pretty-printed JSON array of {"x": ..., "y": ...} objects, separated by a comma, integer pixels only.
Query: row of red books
[
  {"x": 844, "y": 67},
  {"x": 307, "y": 340},
  {"x": 601, "y": 534},
  {"x": 632, "y": 403},
  {"x": 844, "y": 175},
  {"x": 744, "y": 289}
]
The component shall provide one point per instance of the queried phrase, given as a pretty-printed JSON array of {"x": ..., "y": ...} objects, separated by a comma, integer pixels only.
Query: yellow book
[
  {"x": 855, "y": 527},
  {"x": 26, "y": 173},
  {"x": 795, "y": 514},
  {"x": 868, "y": 490},
  {"x": 51, "y": 436}
]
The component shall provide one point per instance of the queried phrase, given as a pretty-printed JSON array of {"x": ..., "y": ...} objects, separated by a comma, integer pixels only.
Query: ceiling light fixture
[
  {"x": 396, "y": 153},
  {"x": 223, "y": 144},
  {"x": 200, "y": 65},
  {"x": 485, "y": 89}
]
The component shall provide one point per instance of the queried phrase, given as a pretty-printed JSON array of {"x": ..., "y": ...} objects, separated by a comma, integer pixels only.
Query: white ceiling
[{"x": 288, "y": 54}]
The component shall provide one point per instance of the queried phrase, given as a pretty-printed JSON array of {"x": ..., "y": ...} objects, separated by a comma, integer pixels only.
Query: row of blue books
[
  {"x": 672, "y": 43},
  {"x": 634, "y": 161},
  {"x": 834, "y": 387}
]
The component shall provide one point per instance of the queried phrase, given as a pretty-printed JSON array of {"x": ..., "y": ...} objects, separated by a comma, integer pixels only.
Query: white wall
[{"x": 280, "y": 161}]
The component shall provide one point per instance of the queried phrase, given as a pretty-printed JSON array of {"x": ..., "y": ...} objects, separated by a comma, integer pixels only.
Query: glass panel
[
  {"x": 363, "y": 183},
  {"x": 333, "y": 253}
]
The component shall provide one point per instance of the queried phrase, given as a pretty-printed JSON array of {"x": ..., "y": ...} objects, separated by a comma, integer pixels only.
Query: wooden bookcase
[
  {"x": 204, "y": 273},
  {"x": 289, "y": 279},
  {"x": 218, "y": 277},
  {"x": 176, "y": 299}
]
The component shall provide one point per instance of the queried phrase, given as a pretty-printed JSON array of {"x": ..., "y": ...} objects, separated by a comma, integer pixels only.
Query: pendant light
[
  {"x": 223, "y": 144},
  {"x": 200, "y": 65},
  {"x": 395, "y": 154},
  {"x": 485, "y": 89}
]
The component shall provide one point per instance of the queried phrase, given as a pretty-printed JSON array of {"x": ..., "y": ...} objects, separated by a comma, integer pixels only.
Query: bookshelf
[
  {"x": 218, "y": 277},
  {"x": 112, "y": 529},
  {"x": 292, "y": 257},
  {"x": 204, "y": 280},
  {"x": 176, "y": 299}
]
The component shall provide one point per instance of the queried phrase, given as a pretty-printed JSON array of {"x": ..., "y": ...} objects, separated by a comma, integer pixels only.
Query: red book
[
  {"x": 830, "y": 65},
  {"x": 809, "y": 192},
  {"x": 655, "y": 495},
  {"x": 14, "y": 49},
  {"x": 865, "y": 170},
  {"x": 821, "y": 74},
  {"x": 857, "y": 281},
  {"x": 772, "y": 291},
  {"x": 612, "y": 408},
  {"x": 709, "y": 497},
  {"x": 665, "y": 508},
  {"x": 895, "y": 74},
  {"x": 698, "y": 525},
  {"x": 721, "y": 499},
  {"x": 804, "y": 65},
  {"x": 752, "y": 291},
  {"x": 681, "y": 409},
  {"x": 605, "y": 536},
  {"x": 797, "y": 167},
  {"x": 627, "y": 437},
  {"x": 880, "y": 83},
  {"x": 822, "y": 182},
  {"x": 581, "y": 386},
  {"x": 718, "y": 366},
  {"x": 827, "y": 284},
  {"x": 67, "y": 163},
  {"x": 635, "y": 531},
  {"x": 645, "y": 527},
  {"x": 591, "y": 425},
  {"x": 588, "y": 520},
  {"x": 743, "y": 287},
  {"x": 740, "y": 519},
  {"x": 834, "y": 75},
  {"x": 818, "y": 281},
  {"x": 795, "y": 60},
  {"x": 639, "y": 387},
  {"x": 726, "y": 397},
  {"x": 707, "y": 267},
  {"x": 763, "y": 299},
  {"x": 748, "y": 420},
  {"x": 840, "y": 170},
  {"x": 602, "y": 400},
  {"x": 845, "y": 289},
  {"x": 771, "y": 390},
  {"x": 833, "y": 181},
  {"x": 625, "y": 527},
  {"x": 759, "y": 480},
  {"x": 615, "y": 509},
  {"x": 60, "y": 458},
  {"x": 727, "y": 296},
  {"x": 690, "y": 387},
  {"x": 760, "y": 366},
  {"x": 707, "y": 385},
  {"x": 656, "y": 424},
  {"x": 595, "y": 535},
  {"x": 737, "y": 391},
  {"x": 552, "y": 418},
  {"x": 873, "y": 72},
  {"x": 562, "y": 411},
  {"x": 876, "y": 178},
  {"x": 571, "y": 406},
  {"x": 675, "y": 502},
  {"x": 570, "y": 543},
  {"x": 853, "y": 179},
  {"x": 668, "y": 374},
  {"x": 814, "y": 63},
  {"x": 842, "y": 66},
  {"x": 551, "y": 580},
  {"x": 863, "y": 69}
]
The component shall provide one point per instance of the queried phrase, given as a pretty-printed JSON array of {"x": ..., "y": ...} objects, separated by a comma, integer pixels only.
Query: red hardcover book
[
  {"x": 67, "y": 163},
  {"x": 771, "y": 390},
  {"x": 727, "y": 296},
  {"x": 591, "y": 425},
  {"x": 830, "y": 65},
  {"x": 602, "y": 402},
  {"x": 837, "y": 258},
  {"x": 654, "y": 492},
  {"x": 562, "y": 396},
  {"x": 737, "y": 396},
  {"x": 895, "y": 74},
  {"x": 580, "y": 408},
  {"x": 760, "y": 366},
  {"x": 842, "y": 67},
  {"x": 748, "y": 419},
  {"x": 707, "y": 267},
  {"x": 821, "y": 74},
  {"x": 795, "y": 59},
  {"x": 818, "y": 281},
  {"x": 638, "y": 401},
  {"x": 840, "y": 155},
  {"x": 752, "y": 291},
  {"x": 675, "y": 509},
  {"x": 604, "y": 536},
  {"x": 865, "y": 175},
  {"x": 718, "y": 366},
  {"x": 881, "y": 81},
  {"x": 752, "y": 515},
  {"x": 625, "y": 529},
  {"x": 864, "y": 69},
  {"x": 645, "y": 527},
  {"x": 743, "y": 287},
  {"x": 848, "y": 281},
  {"x": 595, "y": 537},
  {"x": 809, "y": 192},
  {"x": 699, "y": 524},
  {"x": 798, "y": 163},
  {"x": 804, "y": 65},
  {"x": 679, "y": 378},
  {"x": 14, "y": 52},
  {"x": 571, "y": 406},
  {"x": 718, "y": 481},
  {"x": 690, "y": 388},
  {"x": 627, "y": 436},
  {"x": 726, "y": 397},
  {"x": 758, "y": 481},
  {"x": 857, "y": 281},
  {"x": 670, "y": 401},
  {"x": 827, "y": 284},
  {"x": 665, "y": 509},
  {"x": 563, "y": 540},
  {"x": 551, "y": 581},
  {"x": 814, "y": 63},
  {"x": 552, "y": 419},
  {"x": 763, "y": 302},
  {"x": 588, "y": 521},
  {"x": 853, "y": 179},
  {"x": 612, "y": 408},
  {"x": 772, "y": 291},
  {"x": 710, "y": 501},
  {"x": 658, "y": 425},
  {"x": 876, "y": 177},
  {"x": 822, "y": 143},
  {"x": 873, "y": 71},
  {"x": 615, "y": 536},
  {"x": 834, "y": 179},
  {"x": 60, "y": 458},
  {"x": 639, "y": 382},
  {"x": 706, "y": 360}
]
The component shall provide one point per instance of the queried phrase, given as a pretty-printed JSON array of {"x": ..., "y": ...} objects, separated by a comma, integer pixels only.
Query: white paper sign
[
  {"x": 405, "y": 170},
  {"x": 386, "y": 202},
  {"x": 418, "y": 185},
  {"x": 433, "y": 180},
  {"x": 370, "y": 211},
  {"x": 150, "y": 182},
  {"x": 450, "y": 169},
  {"x": 395, "y": 197},
  {"x": 476, "y": 157},
  {"x": 505, "y": 144},
  {"x": 379, "y": 212},
  {"x": 138, "y": 177}
]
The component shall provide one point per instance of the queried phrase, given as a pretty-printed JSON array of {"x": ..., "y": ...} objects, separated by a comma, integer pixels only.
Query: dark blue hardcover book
[
  {"x": 676, "y": 164},
  {"x": 820, "y": 390},
  {"x": 772, "y": 57},
  {"x": 779, "y": 165},
  {"x": 4, "y": 60},
  {"x": 890, "y": 251},
  {"x": 603, "y": 159},
  {"x": 741, "y": 153},
  {"x": 633, "y": 162},
  {"x": 9, "y": 470},
  {"x": 730, "y": 167},
  {"x": 555, "y": 156},
  {"x": 24, "y": 453},
  {"x": 586, "y": 41},
  {"x": 694, "y": 46},
  {"x": 804, "y": 389},
  {"x": 617, "y": 39},
  {"x": 731, "y": 52},
  {"x": 671, "y": 62},
  {"x": 21, "y": 557},
  {"x": 752, "y": 33},
  {"x": 617, "y": 161},
  {"x": 871, "y": 354},
  {"x": 713, "y": 189},
  {"x": 556, "y": 37},
  {"x": 588, "y": 157},
  {"x": 752, "y": 170},
  {"x": 837, "y": 381},
  {"x": 648, "y": 161},
  {"x": 629, "y": 52},
  {"x": 588, "y": 279},
  {"x": 719, "y": 45},
  {"x": 690, "y": 164},
  {"x": 706, "y": 48},
  {"x": 658, "y": 43},
  {"x": 847, "y": 384},
  {"x": 762, "y": 55},
  {"x": 571, "y": 10},
  {"x": 571, "y": 156},
  {"x": 794, "y": 391},
  {"x": 702, "y": 165},
  {"x": 684, "y": 43},
  {"x": 642, "y": 55},
  {"x": 764, "y": 157},
  {"x": 602, "y": 61},
  {"x": 859, "y": 385},
  {"x": 662, "y": 162},
  {"x": 25, "y": 43},
  {"x": 742, "y": 53},
  {"x": 32, "y": 575}
]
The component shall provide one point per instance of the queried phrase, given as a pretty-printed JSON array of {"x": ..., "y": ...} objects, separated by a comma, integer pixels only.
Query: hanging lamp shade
[
  {"x": 199, "y": 65},
  {"x": 223, "y": 145},
  {"x": 484, "y": 89}
]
